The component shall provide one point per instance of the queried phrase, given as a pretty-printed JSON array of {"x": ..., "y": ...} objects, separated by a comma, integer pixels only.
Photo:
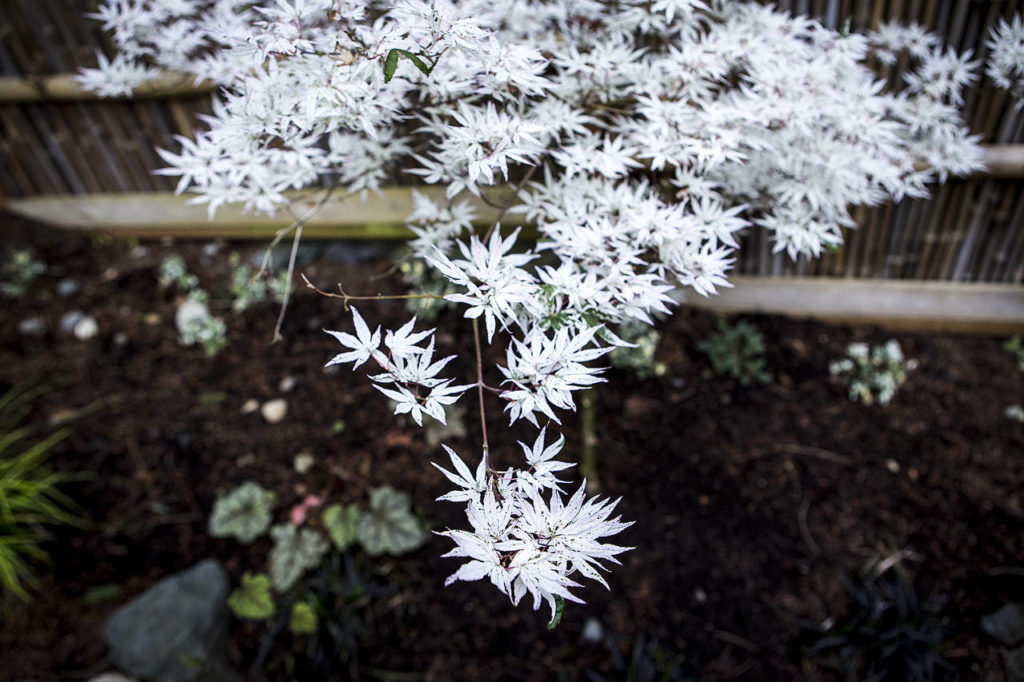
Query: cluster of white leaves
[
  {"x": 494, "y": 281},
  {"x": 638, "y": 136},
  {"x": 526, "y": 538},
  {"x": 771, "y": 115},
  {"x": 545, "y": 368},
  {"x": 1006, "y": 56},
  {"x": 410, "y": 373},
  {"x": 115, "y": 77}
]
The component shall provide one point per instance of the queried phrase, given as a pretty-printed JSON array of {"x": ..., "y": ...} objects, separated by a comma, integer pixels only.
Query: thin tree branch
[{"x": 345, "y": 298}]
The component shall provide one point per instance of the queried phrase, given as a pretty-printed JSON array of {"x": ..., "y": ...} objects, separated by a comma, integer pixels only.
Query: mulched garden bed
[{"x": 753, "y": 505}]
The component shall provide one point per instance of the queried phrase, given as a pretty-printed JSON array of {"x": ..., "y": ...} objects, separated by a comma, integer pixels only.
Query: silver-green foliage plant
[
  {"x": 210, "y": 333},
  {"x": 389, "y": 527},
  {"x": 248, "y": 286},
  {"x": 872, "y": 374},
  {"x": 638, "y": 358},
  {"x": 18, "y": 271},
  {"x": 174, "y": 273},
  {"x": 295, "y": 551},
  {"x": 737, "y": 350},
  {"x": 243, "y": 514},
  {"x": 196, "y": 325}
]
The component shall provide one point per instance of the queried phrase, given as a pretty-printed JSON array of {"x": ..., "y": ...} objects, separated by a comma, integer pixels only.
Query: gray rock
[
  {"x": 32, "y": 326},
  {"x": 1015, "y": 664},
  {"x": 1006, "y": 624},
  {"x": 176, "y": 631},
  {"x": 68, "y": 287},
  {"x": 69, "y": 319}
]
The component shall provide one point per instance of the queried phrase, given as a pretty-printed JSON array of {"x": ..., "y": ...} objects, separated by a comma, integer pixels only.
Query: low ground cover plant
[
  {"x": 196, "y": 324},
  {"x": 873, "y": 374},
  {"x": 301, "y": 542},
  {"x": 18, "y": 269},
  {"x": 637, "y": 137},
  {"x": 737, "y": 350}
]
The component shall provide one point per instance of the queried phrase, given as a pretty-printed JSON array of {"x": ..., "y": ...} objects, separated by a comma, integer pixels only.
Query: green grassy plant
[{"x": 30, "y": 499}]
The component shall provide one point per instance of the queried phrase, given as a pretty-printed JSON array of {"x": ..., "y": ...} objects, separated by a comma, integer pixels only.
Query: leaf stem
[
  {"x": 480, "y": 391},
  {"x": 588, "y": 418}
]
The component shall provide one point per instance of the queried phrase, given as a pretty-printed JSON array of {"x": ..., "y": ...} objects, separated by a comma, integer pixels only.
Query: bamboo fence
[{"x": 57, "y": 142}]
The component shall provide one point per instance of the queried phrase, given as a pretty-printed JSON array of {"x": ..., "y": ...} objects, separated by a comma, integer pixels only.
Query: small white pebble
[
  {"x": 250, "y": 406},
  {"x": 274, "y": 410},
  {"x": 86, "y": 328},
  {"x": 188, "y": 312}
]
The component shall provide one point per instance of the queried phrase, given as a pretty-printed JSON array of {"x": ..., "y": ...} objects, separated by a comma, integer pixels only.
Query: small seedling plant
[
  {"x": 196, "y": 324},
  {"x": 246, "y": 287},
  {"x": 637, "y": 137},
  {"x": 737, "y": 350},
  {"x": 1015, "y": 347},
  {"x": 872, "y": 374},
  {"x": 18, "y": 270}
]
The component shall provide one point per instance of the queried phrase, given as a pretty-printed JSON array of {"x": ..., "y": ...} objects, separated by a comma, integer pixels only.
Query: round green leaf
[
  {"x": 303, "y": 620},
  {"x": 342, "y": 524},
  {"x": 252, "y": 599}
]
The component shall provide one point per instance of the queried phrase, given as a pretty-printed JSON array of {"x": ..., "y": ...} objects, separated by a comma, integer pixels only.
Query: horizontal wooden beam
[
  {"x": 904, "y": 305},
  {"x": 1003, "y": 160},
  {"x": 896, "y": 304},
  {"x": 64, "y": 88},
  {"x": 153, "y": 215}
]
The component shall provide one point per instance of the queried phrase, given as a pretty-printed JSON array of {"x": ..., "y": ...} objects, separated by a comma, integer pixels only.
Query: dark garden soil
[{"x": 754, "y": 506}]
